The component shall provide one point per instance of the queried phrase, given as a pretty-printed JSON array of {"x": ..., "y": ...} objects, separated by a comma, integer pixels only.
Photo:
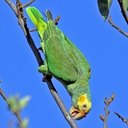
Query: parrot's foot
[{"x": 43, "y": 69}]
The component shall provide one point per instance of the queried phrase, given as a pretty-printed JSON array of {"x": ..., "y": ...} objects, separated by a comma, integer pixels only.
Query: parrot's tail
[{"x": 37, "y": 19}]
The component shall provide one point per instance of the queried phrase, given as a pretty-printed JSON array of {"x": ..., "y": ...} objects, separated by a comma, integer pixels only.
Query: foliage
[{"x": 16, "y": 103}]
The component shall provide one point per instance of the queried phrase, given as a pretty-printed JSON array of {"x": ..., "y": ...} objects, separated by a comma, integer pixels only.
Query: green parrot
[{"x": 65, "y": 62}]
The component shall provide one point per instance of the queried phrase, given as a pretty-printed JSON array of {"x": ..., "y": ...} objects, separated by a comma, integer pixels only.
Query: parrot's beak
[{"x": 76, "y": 114}]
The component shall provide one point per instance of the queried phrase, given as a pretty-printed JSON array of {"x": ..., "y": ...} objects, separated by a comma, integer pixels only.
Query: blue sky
[{"x": 105, "y": 49}]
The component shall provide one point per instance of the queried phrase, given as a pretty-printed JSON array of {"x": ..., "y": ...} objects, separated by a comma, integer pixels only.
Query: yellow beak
[{"x": 76, "y": 114}]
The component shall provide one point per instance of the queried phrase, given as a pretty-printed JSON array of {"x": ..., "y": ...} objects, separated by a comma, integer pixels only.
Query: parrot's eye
[{"x": 84, "y": 107}]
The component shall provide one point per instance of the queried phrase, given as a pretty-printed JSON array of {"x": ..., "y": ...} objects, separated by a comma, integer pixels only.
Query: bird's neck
[{"x": 77, "y": 89}]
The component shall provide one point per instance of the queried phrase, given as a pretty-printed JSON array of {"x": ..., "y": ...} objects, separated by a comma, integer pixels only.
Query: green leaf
[
  {"x": 104, "y": 7},
  {"x": 16, "y": 104},
  {"x": 24, "y": 101},
  {"x": 25, "y": 122},
  {"x": 12, "y": 102},
  {"x": 125, "y": 4}
]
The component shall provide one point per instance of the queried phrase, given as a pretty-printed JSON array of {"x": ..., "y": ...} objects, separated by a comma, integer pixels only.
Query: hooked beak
[{"x": 76, "y": 114}]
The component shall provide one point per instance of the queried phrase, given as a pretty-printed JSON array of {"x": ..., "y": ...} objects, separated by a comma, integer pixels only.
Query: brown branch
[
  {"x": 61, "y": 105},
  {"x": 107, "y": 102},
  {"x": 125, "y": 120},
  {"x": 124, "y": 13},
  {"x": 18, "y": 10},
  {"x": 17, "y": 114},
  {"x": 116, "y": 27}
]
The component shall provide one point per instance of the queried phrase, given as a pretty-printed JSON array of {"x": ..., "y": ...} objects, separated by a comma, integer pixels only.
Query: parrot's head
[{"x": 81, "y": 108}]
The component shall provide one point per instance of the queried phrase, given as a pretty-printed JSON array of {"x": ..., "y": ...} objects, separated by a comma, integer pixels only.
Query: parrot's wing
[
  {"x": 79, "y": 59},
  {"x": 59, "y": 54},
  {"x": 59, "y": 62},
  {"x": 37, "y": 19}
]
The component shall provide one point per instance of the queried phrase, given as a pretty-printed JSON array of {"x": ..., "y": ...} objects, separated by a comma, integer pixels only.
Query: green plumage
[{"x": 63, "y": 59}]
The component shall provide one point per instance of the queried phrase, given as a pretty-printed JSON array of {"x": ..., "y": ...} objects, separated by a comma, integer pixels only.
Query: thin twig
[
  {"x": 104, "y": 118},
  {"x": 12, "y": 6},
  {"x": 57, "y": 20},
  {"x": 124, "y": 13},
  {"x": 61, "y": 106},
  {"x": 29, "y": 3},
  {"x": 20, "y": 16},
  {"x": 32, "y": 30},
  {"x": 125, "y": 120},
  {"x": 23, "y": 24},
  {"x": 116, "y": 27},
  {"x": 17, "y": 114}
]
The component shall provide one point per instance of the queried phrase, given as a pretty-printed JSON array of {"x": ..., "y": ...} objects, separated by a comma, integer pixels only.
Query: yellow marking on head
[
  {"x": 81, "y": 99},
  {"x": 84, "y": 104}
]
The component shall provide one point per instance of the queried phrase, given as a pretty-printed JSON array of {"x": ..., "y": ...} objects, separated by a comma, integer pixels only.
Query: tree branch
[
  {"x": 12, "y": 6},
  {"x": 107, "y": 102},
  {"x": 116, "y": 27},
  {"x": 125, "y": 120},
  {"x": 17, "y": 114},
  {"x": 124, "y": 13},
  {"x": 57, "y": 20},
  {"x": 18, "y": 10},
  {"x": 29, "y": 3}
]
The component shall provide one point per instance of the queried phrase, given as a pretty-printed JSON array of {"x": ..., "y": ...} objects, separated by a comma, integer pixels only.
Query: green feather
[{"x": 37, "y": 19}]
